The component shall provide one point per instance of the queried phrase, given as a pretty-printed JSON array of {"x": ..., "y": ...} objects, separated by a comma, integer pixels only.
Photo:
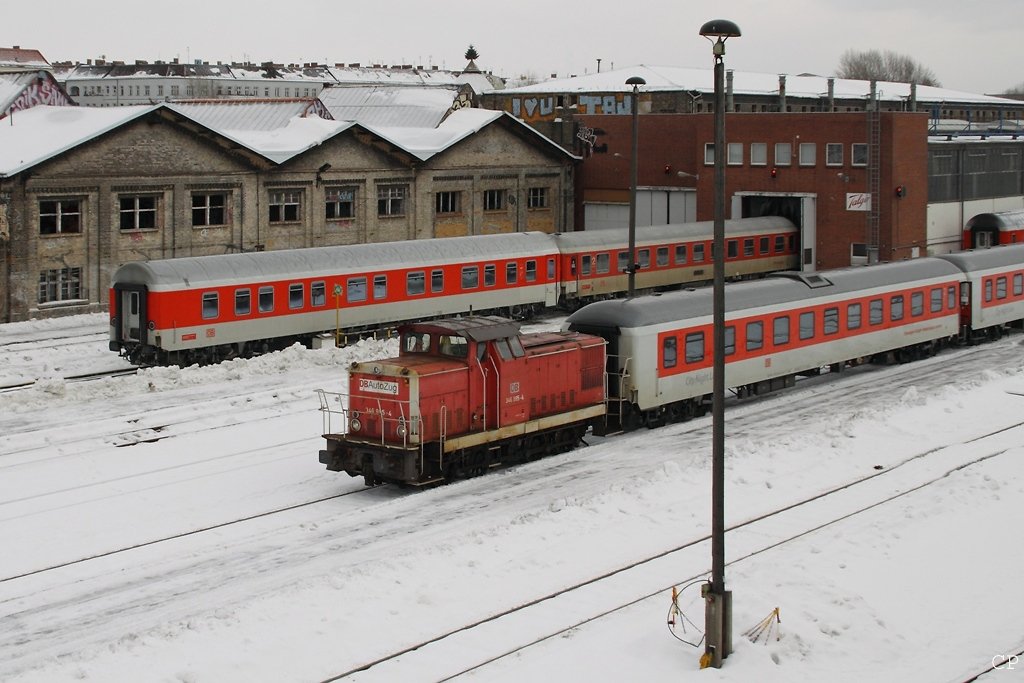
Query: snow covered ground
[{"x": 176, "y": 526}]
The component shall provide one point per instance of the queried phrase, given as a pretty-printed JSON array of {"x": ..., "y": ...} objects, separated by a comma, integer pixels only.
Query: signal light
[{"x": 774, "y": 171}]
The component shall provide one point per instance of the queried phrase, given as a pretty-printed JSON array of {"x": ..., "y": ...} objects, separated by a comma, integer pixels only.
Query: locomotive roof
[
  {"x": 206, "y": 271},
  {"x": 781, "y": 288},
  {"x": 673, "y": 231},
  {"x": 982, "y": 259},
  {"x": 476, "y": 327}
]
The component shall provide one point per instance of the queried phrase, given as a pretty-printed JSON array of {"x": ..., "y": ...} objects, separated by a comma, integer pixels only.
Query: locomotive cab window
[
  {"x": 266, "y": 299},
  {"x": 416, "y": 342},
  {"x": 243, "y": 302},
  {"x": 318, "y": 293},
  {"x": 211, "y": 305},
  {"x": 516, "y": 346},
  {"x": 295, "y": 296},
  {"x": 452, "y": 346},
  {"x": 501, "y": 345}
]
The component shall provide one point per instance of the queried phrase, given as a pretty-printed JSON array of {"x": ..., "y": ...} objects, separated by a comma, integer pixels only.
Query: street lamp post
[
  {"x": 636, "y": 82},
  {"x": 718, "y": 601}
]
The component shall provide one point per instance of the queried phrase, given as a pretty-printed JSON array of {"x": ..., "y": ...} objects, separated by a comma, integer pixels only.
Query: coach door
[{"x": 131, "y": 315}]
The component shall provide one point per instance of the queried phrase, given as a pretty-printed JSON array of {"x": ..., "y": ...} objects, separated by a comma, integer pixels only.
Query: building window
[
  {"x": 783, "y": 154},
  {"x": 208, "y": 209},
  {"x": 284, "y": 206},
  {"x": 494, "y": 200},
  {"x": 758, "y": 154},
  {"x": 808, "y": 153},
  {"x": 859, "y": 154},
  {"x": 60, "y": 216},
  {"x": 709, "y": 153},
  {"x": 340, "y": 204},
  {"x": 448, "y": 202},
  {"x": 391, "y": 200},
  {"x": 60, "y": 284},
  {"x": 833, "y": 154},
  {"x": 138, "y": 212},
  {"x": 537, "y": 198},
  {"x": 734, "y": 150}
]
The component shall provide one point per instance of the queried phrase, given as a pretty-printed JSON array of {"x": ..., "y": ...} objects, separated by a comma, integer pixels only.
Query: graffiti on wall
[
  {"x": 39, "y": 92},
  {"x": 542, "y": 108}
]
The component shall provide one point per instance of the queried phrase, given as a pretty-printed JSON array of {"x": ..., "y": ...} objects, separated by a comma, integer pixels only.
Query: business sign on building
[{"x": 858, "y": 201}]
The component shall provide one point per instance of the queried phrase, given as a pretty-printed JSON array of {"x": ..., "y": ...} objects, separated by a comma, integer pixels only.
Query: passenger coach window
[
  {"x": 896, "y": 309},
  {"x": 755, "y": 335},
  {"x": 318, "y": 294},
  {"x": 936, "y": 299},
  {"x": 603, "y": 263},
  {"x": 730, "y": 340},
  {"x": 765, "y": 246},
  {"x": 586, "y": 265},
  {"x": 853, "y": 316},
  {"x": 380, "y": 286},
  {"x": 511, "y": 273},
  {"x": 988, "y": 290},
  {"x": 551, "y": 269},
  {"x": 831, "y": 320},
  {"x": 731, "y": 249},
  {"x": 490, "y": 275},
  {"x": 243, "y": 302},
  {"x": 295, "y": 296},
  {"x": 644, "y": 258},
  {"x": 669, "y": 352},
  {"x": 531, "y": 271},
  {"x": 211, "y": 306},
  {"x": 415, "y": 283},
  {"x": 266, "y": 302},
  {"x": 623, "y": 261},
  {"x": 680, "y": 254},
  {"x": 695, "y": 347},
  {"x": 917, "y": 304},
  {"x": 876, "y": 311},
  {"x": 698, "y": 253},
  {"x": 748, "y": 247},
  {"x": 1018, "y": 284},
  {"x": 662, "y": 257},
  {"x": 470, "y": 277},
  {"x": 356, "y": 288},
  {"x": 780, "y": 330},
  {"x": 436, "y": 281},
  {"x": 807, "y": 325},
  {"x": 780, "y": 244},
  {"x": 951, "y": 297},
  {"x": 1001, "y": 288}
]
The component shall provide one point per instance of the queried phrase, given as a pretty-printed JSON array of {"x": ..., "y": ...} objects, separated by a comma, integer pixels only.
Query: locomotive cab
[{"x": 462, "y": 396}]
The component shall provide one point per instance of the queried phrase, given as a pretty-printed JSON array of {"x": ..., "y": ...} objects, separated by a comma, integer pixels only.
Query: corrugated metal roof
[
  {"x": 263, "y": 114},
  {"x": 390, "y": 106}
]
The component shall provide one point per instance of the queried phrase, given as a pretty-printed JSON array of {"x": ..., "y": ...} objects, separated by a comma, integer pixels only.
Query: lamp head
[
  {"x": 717, "y": 31},
  {"x": 635, "y": 81}
]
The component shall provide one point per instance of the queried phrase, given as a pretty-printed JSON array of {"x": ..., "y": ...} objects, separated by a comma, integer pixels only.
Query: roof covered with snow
[
  {"x": 248, "y": 114},
  {"x": 403, "y": 106},
  {"x": 674, "y": 78}
]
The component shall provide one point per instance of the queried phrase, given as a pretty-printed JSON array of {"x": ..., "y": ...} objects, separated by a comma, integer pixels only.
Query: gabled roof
[
  {"x": 674, "y": 78},
  {"x": 390, "y": 106},
  {"x": 249, "y": 114},
  {"x": 19, "y": 58}
]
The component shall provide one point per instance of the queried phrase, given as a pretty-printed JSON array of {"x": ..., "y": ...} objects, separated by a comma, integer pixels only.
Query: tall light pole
[
  {"x": 636, "y": 82},
  {"x": 718, "y": 601}
]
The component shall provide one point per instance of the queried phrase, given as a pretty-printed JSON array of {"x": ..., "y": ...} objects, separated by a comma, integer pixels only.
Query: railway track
[{"x": 598, "y": 597}]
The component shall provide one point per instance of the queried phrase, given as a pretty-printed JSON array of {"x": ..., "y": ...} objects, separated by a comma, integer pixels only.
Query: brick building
[{"x": 83, "y": 190}]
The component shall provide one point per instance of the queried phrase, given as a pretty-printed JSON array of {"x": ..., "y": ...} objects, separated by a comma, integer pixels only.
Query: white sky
[{"x": 969, "y": 49}]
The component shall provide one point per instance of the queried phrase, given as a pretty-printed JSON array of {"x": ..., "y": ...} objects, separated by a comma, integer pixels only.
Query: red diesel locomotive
[{"x": 463, "y": 396}]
